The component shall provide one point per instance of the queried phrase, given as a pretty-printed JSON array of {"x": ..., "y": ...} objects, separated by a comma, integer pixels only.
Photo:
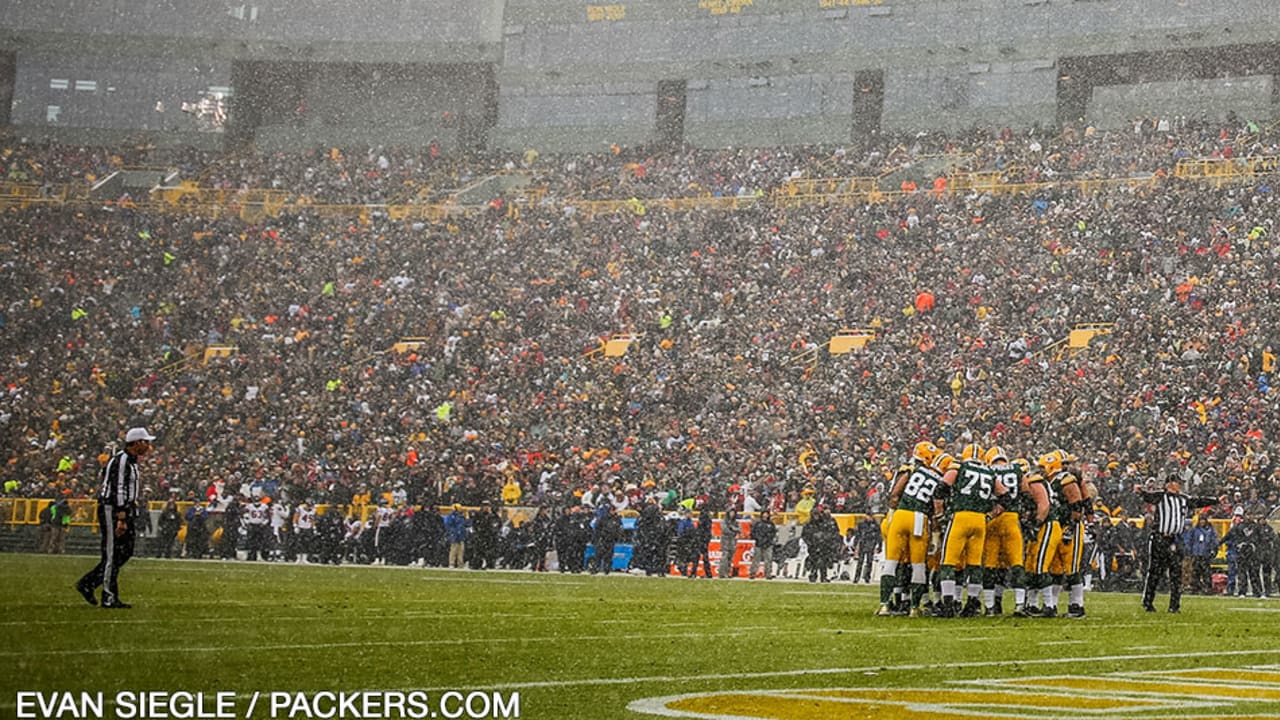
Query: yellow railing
[
  {"x": 26, "y": 511},
  {"x": 604, "y": 207},
  {"x": 256, "y": 204},
  {"x": 21, "y": 194},
  {"x": 984, "y": 181},
  {"x": 827, "y": 186},
  {"x": 858, "y": 198},
  {"x": 1227, "y": 169}
]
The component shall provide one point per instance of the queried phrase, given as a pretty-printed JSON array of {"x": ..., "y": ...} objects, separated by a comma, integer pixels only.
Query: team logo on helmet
[
  {"x": 1052, "y": 462},
  {"x": 926, "y": 452}
]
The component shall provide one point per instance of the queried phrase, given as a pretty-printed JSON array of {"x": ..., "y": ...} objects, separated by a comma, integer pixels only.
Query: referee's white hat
[{"x": 136, "y": 434}]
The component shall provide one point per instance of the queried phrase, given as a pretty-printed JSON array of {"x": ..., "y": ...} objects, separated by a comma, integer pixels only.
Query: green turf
[{"x": 572, "y": 646}]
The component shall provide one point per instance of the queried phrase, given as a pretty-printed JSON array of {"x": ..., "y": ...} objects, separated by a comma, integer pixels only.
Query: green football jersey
[
  {"x": 918, "y": 493},
  {"x": 975, "y": 488},
  {"x": 1010, "y": 476}
]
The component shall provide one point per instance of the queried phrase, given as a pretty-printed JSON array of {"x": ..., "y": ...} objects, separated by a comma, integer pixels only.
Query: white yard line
[
  {"x": 361, "y": 617},
  {"x": 853, "y": 670},
  {"x": 303, "y": 647}
]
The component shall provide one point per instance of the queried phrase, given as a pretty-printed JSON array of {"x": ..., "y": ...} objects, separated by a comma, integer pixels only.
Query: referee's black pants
[
  {"x": 1164, "y": 558},
  {"x": 116, "y": 551}
]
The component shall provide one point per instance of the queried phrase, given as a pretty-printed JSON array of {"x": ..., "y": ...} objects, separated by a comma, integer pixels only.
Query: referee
[
  {"x": 1164, "y": 549},
  {"x": 117, "y": 513}
]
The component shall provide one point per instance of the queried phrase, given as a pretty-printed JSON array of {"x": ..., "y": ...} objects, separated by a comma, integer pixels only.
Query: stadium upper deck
[{"x": 560, "y": 75}]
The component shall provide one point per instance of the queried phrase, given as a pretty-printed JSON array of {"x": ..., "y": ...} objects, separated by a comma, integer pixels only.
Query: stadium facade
[{"x": 562, "y": 75}]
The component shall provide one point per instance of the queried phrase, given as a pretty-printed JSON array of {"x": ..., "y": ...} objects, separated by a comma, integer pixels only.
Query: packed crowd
[
  {"x": 379, "y": 175},
  {"x": 964, "y": 291}
]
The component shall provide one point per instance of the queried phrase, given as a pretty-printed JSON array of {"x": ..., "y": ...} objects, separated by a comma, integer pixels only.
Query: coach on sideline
[
  {"x": 117, "y": 513},
  {"x": 1164, "y": 549}
]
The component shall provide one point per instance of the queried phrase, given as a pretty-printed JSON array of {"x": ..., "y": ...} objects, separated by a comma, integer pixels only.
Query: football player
[
  {"x": 1002, "y": 551},
  {"x": 900, "y": 598},
  {"x": 1064, "y": 527},
  {"x": 975, "y": 496},
  {"x": 907, "y": 536},
  {"x": 1039, "y": 512}
]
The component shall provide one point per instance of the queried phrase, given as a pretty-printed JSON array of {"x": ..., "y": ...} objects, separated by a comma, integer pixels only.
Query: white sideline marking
[
  {"x": 820, "y": 592},
  {"x": 1064, "y": 642},
  {"x": 389, "y": 643},
  {"x": 398, "y": 614},
  {"x": 1264, "y": 610},
  {"x": 847, "y": 670}
]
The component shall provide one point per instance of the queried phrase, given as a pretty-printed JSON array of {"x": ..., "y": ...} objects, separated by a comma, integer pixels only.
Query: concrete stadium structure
[{"x": 562, "y": 75}]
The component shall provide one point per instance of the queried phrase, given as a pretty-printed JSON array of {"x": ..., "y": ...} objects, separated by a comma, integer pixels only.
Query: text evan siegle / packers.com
[{"x": 321, "y": 705}]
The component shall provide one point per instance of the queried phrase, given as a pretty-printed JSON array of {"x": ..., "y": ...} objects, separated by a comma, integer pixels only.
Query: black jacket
[
  {"x": 609, "y": 530},
  {"x": 764, "y": 532}
]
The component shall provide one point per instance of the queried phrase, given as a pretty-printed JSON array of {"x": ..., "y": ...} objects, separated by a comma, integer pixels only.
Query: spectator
[
  {"x": 485, "y": 528},
  {"x": 729, "y": 530},
  {"x": 765, "y": 535},
  {"x": 869, "y": 540},
  {"x": 822, "y": 536},
  {"x": 608, "y": 532},
  {"x": 651, "y": 541},
  {"x": 1246, "y": 538},
  {"x": 1202, "y": 543},
  {"x": 170, "y": 523},
  {"x": 197, "y": 540},
  {"x": 699, "y": 547},
  {"x": 456, "y": 529},
  {"x": 47, "y": 520}
]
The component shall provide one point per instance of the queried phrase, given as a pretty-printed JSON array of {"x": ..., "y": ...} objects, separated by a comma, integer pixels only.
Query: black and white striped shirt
[
  {"x": 119, "y": 481},
  {"x": 1170, "y": 510}
]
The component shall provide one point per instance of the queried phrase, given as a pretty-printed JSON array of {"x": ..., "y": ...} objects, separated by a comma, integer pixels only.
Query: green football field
[{"x": 506, "y": 644}]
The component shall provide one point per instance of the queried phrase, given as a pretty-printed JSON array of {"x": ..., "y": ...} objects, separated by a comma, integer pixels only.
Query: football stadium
[{"x": 716, "y": 359}]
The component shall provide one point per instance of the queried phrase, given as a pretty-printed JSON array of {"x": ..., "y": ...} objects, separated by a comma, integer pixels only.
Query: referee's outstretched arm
[
  {"x": 1149, "y": 496},
  {"x": 1194, "y": 502},
  {"x": 1205, "y": 501}
]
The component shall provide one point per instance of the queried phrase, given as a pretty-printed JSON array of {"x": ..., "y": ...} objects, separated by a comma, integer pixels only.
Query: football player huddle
[{"x": 979, "y": 525}]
